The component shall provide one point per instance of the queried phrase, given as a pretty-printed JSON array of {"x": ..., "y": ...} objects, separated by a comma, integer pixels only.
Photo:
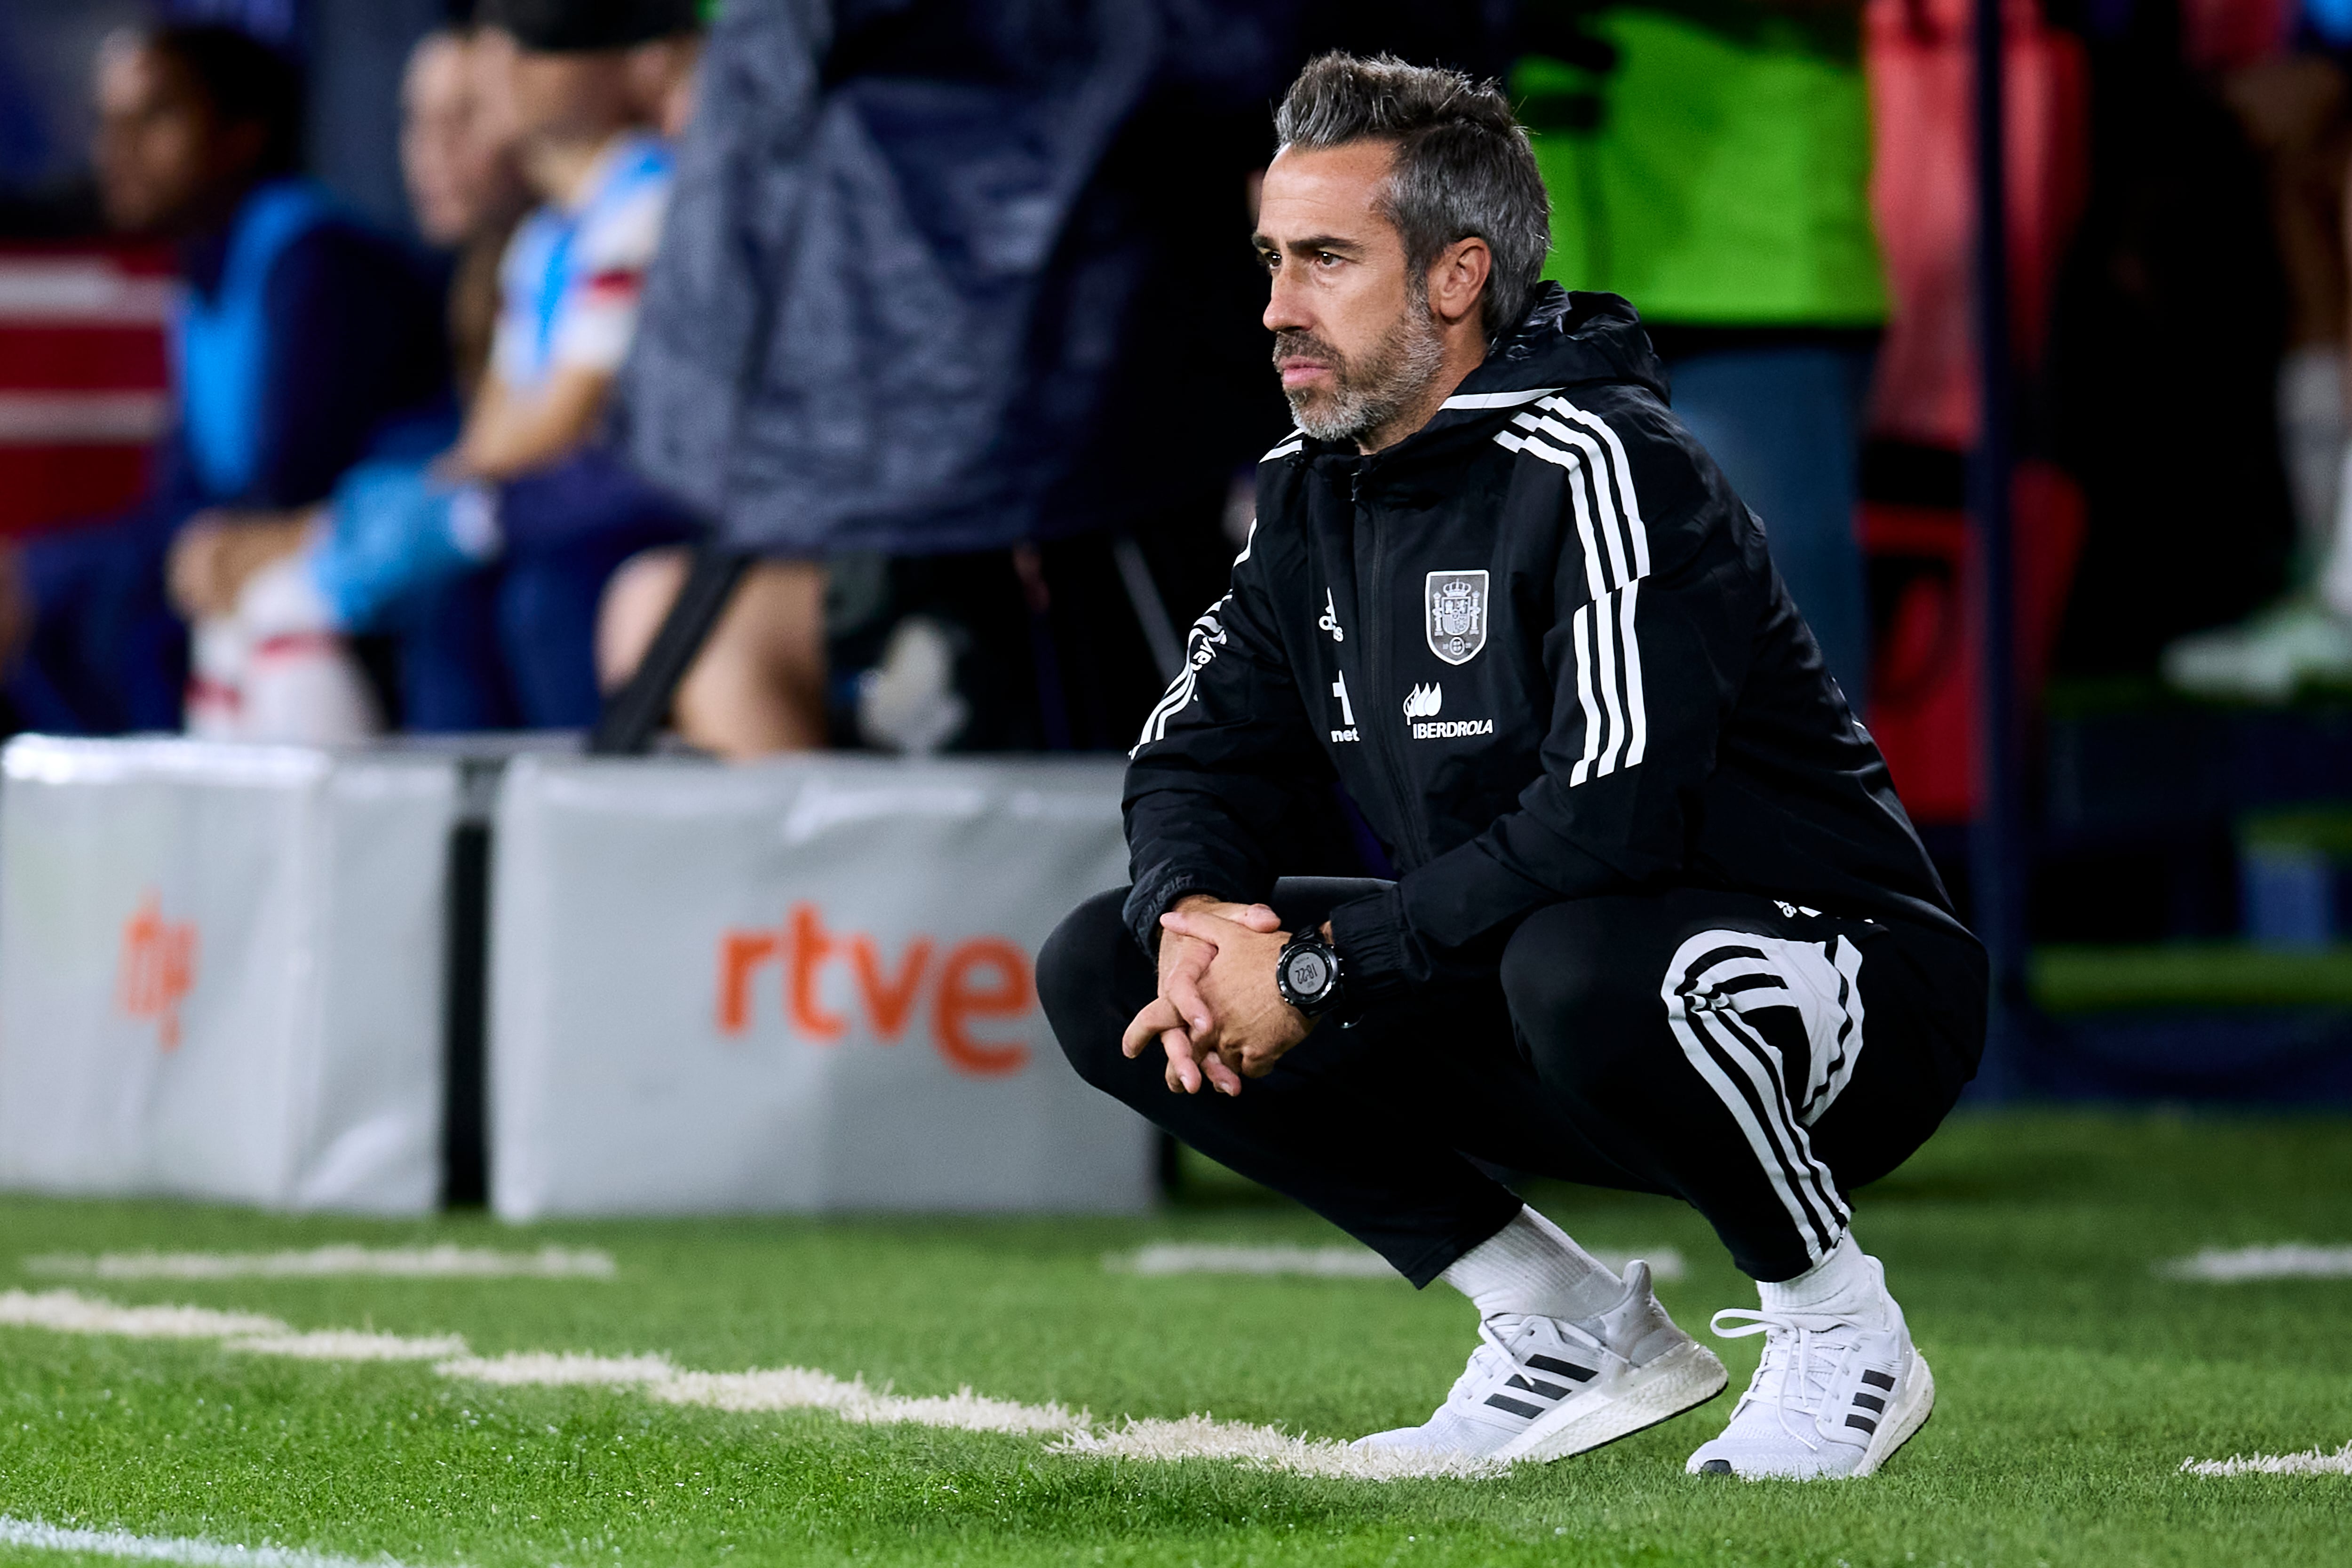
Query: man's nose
[{"x": 1285, "y": 310}]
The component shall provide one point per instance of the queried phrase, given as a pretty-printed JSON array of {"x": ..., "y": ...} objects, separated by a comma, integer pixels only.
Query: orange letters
[
  {"x": 889, "y": 1002},
  {"x": 740, "y": 952},
  {"x": 1006, "y": 999},
  {"x": 986, "y": 978},
  {"x": 811, "y": 946},
  {"x": 158, "y": 968}
]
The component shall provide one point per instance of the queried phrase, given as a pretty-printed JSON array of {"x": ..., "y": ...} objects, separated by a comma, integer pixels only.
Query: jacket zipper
[{"x": 1370, "y": 605}]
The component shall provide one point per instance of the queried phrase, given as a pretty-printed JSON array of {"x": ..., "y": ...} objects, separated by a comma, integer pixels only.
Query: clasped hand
[{"x": 1218, "y": 1014}]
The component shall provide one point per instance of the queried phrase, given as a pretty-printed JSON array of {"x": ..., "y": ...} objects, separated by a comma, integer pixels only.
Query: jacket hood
[{"x": 1566, "y": 339}]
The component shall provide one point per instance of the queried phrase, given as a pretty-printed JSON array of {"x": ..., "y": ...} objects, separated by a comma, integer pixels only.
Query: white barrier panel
[
  {"x": 221, "y": 972},
  {"x": 803, "y": 985}
]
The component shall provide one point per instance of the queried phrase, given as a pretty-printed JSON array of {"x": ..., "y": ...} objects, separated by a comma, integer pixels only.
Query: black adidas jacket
[{"x": 1541, "y": 644}]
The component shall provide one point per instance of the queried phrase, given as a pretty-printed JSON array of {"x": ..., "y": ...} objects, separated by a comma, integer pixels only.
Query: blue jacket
[{"x": 301, "y": 340}]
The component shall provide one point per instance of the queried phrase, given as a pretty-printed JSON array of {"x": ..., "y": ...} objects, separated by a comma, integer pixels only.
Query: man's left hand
[{"x": 1251, "y": 1026}]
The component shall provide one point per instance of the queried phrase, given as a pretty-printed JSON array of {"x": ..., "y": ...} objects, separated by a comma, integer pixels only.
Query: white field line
[
  {"x": 771, "y": 1388},
  {"x": 442, "y": 1262},
  {"x": 2293, "y": 1260},
  {"x": 68, "y": 1314},
  {"x": 352, "y": 1344},
  {"x": 1319, "y": 1262},
  {"x": 566, "y": 1369},
  {"x": 798, "y": 1388},
  {"x": 1265, "y": 1448},
  {"x": 2312, "y": 1462},
  {"x": 1188, "y": 1258},
  {"x": 33, "y": 1534}
]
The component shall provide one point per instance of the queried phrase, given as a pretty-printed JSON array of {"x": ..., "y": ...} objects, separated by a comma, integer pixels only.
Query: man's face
[
  {"x": 160, "y": 153},
  {"x": 570, "y": 97},
  {"x": 457, "y": 145},
  {"x": 1353, "y": 338}
]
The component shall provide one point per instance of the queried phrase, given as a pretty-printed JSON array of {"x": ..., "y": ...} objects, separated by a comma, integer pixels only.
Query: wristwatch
[{"x": 1307, "y": 974}]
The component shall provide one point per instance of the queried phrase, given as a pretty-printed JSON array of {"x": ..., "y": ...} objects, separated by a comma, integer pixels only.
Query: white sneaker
[
  {"x": 1543, "y": 1388},
  {"x": 2265, "y": 657},
  {"x": 1834, "y": 1395}
]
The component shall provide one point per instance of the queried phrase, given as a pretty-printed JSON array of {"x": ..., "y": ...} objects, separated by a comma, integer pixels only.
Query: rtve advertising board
[
  {"x": 801, "y": 985},
  {"x": 221, "y": 972}
]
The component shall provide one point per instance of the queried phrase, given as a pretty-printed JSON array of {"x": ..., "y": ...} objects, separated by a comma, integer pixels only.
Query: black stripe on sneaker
[
  {"x": 1864, "y": 1422},
  {"x": 1884, "y": 1380},
  {"x": 1565, "y": 1369},
  {"x": 1869, "y": 1402},
  {"x": 1516, "y": 1406},
  {"x": 1536, "y": 1386}
]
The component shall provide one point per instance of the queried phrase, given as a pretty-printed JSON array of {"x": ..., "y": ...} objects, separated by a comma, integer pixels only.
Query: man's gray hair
[{"x": 1463, "y": 167}]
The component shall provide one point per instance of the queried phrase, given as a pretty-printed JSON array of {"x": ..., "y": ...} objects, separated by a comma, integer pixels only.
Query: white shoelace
[
  {"x": 1482, "y": 1362},
  {"x": 1806, "y": 1351}
]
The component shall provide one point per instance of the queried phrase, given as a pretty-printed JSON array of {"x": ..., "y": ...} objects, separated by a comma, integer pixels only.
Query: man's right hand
[{"x": 1178, "y": 1018}]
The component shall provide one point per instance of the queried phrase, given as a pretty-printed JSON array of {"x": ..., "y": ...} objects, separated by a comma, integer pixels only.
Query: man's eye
[{"x": 1326, "y": 260}]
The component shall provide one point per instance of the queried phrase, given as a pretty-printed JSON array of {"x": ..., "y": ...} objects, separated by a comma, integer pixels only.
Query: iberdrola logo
[{"x": 1421, "y": 709}]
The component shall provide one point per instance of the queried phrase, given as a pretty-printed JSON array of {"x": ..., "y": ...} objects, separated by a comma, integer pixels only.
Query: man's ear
[{"x": 1457, "y": 279}]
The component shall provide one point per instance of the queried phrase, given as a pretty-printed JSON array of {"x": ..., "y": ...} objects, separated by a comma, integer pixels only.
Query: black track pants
[{"x": 1756, "y": 1060}]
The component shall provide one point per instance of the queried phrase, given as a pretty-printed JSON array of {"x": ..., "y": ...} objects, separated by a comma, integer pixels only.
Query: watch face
[{"x": 1307, "y": 970}]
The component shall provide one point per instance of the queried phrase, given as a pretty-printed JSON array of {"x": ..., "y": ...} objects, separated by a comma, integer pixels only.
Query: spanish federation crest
[{"x": 1455, "y": 604}]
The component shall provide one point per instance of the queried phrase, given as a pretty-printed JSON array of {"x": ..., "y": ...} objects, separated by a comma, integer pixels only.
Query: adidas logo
[
  {"x": 1539, "y": 1386},
  {"x": 1424, "y": 702},
  {"x": 1863, "y": 1399}
]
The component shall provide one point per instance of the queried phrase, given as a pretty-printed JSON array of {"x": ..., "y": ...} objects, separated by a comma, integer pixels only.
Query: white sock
[
  {"x": 1530, "y": 1266},
  {"x": 1844, "y": 1279}
]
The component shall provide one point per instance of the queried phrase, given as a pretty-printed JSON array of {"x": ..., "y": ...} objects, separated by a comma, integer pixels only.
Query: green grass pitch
[{"x": 2074, "y": 1382}]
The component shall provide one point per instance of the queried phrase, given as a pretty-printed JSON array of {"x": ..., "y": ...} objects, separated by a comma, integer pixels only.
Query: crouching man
[{"x": 1660, "y": 922}]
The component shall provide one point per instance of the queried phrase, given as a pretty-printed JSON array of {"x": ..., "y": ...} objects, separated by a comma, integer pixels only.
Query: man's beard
[{"x": 1367, "y": 394}]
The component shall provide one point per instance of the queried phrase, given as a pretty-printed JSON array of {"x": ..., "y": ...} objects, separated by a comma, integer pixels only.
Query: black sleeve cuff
[
  {"x": 1154, "y": 893},
  {"x": 1378, "y": 955}
]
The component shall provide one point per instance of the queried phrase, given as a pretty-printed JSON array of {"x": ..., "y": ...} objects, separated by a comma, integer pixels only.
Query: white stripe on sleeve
[
  {"x": 1624, "y": 471},
  {"x": 1604, "y": 490},
  {"x": 1637, "y": 713},
  {"x": 1581, "y": 631},
  {"x": 1595, "y": 581},
  {"x": 1604, "y": 640}
]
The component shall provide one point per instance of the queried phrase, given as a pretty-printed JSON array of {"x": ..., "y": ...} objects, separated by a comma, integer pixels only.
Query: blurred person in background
[
  {"x": 1710, "y": 162},
  {"x": 460, "y": 157},
  {"x": 302, "y": 340},
  {"x": 460, "y": 161},
  {"x": 588, "y": 83},
  {"x": 2179, "y": 225},
  {"x": 934, "y": 270},
  {"x": 2296, "y": 114},
  {"x": 528, "y": 491},
  {"x": 486, "y": 560}
]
